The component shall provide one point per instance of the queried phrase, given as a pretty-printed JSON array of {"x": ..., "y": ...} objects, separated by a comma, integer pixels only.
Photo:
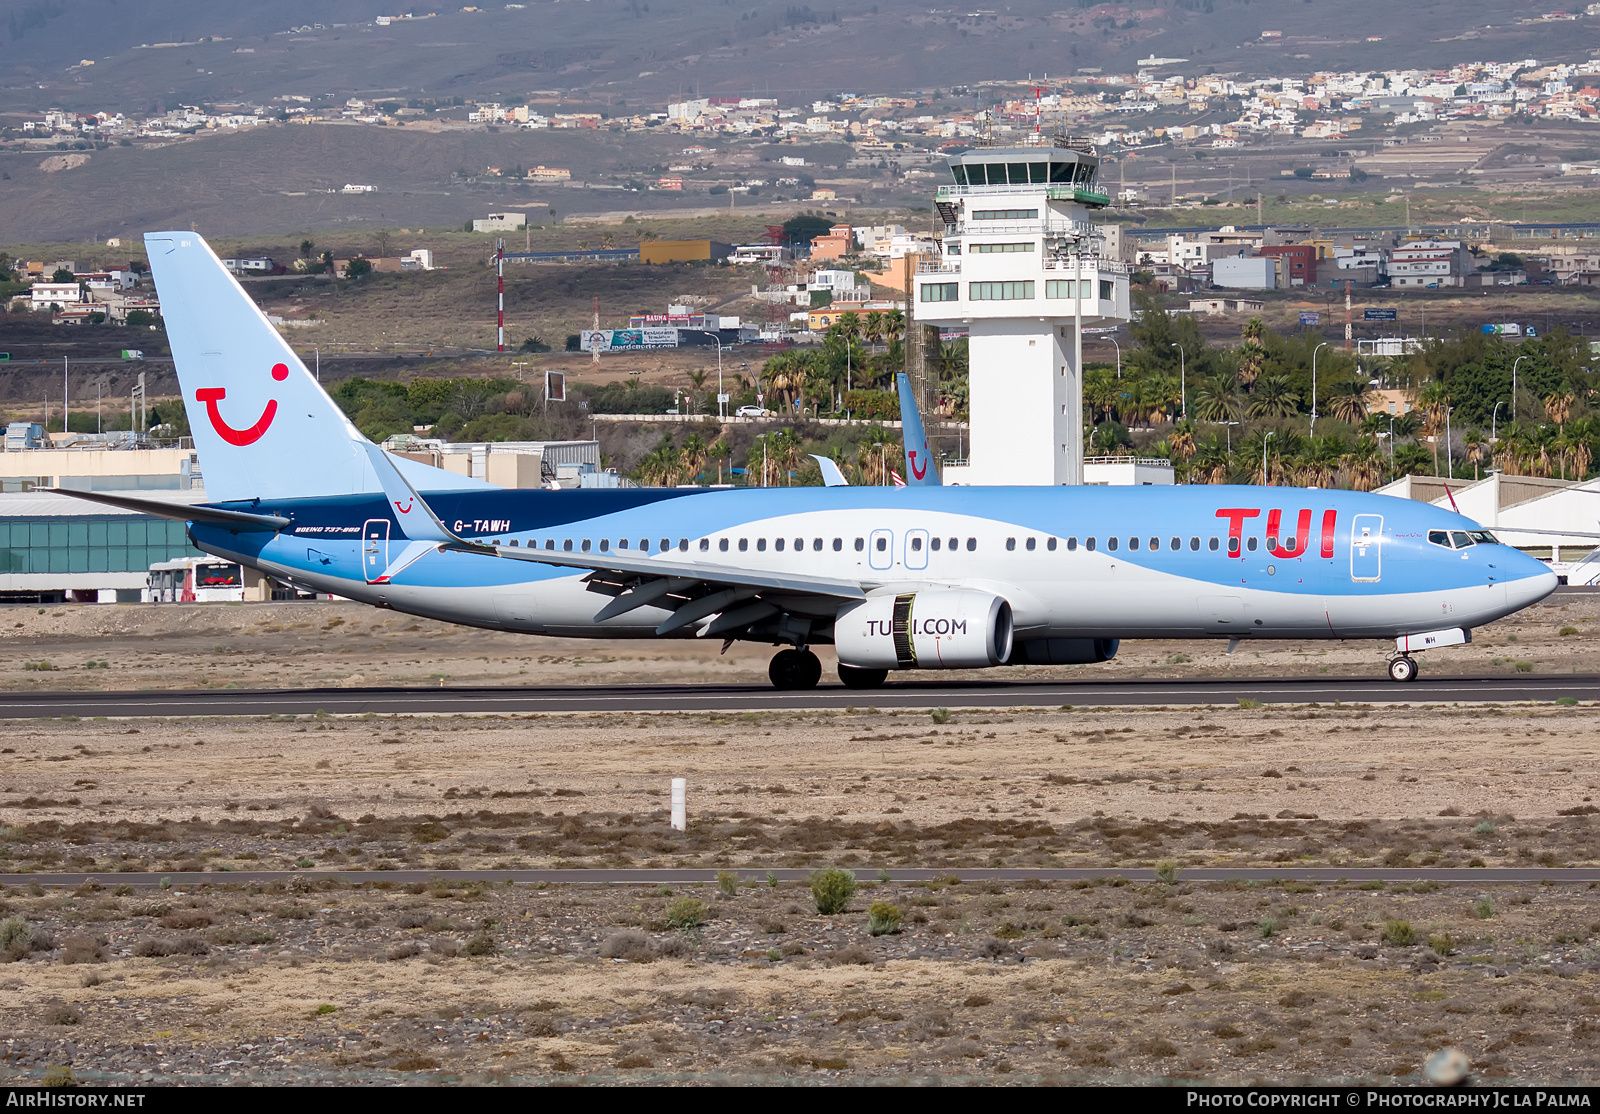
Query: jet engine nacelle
[{"x": 945, "y": 628}]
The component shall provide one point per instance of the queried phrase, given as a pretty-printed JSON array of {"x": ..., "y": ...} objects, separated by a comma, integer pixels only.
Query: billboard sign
[
  {"x": 1380, "y": 315},
  {"x": 613, "y": 340},
  {"x": 1310, "y": 317},
  {"x": 555, "y": 386}
]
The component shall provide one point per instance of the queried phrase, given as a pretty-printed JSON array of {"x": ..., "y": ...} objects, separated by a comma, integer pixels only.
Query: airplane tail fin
[
  {"x": 262, "y": 425},
  {"x": 920, "y": 469}
]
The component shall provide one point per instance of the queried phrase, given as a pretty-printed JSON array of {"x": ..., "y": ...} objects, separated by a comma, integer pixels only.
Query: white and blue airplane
[{"x": 896, "y": 578}]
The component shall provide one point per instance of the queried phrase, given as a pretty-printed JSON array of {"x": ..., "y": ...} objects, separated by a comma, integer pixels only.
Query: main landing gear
[
  {"x": 794, "y": 669},
  {"x": 1403, "y": 668}
]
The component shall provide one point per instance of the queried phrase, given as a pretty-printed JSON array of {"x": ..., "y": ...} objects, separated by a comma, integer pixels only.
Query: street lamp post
[
  {"x": 1113, "y": 340},
  {"x": 1183, "y": 378},
  {"x": 722, "y": 406},
  {"x": 1492, "y": 416},
  {"x": 1266, "y": 479},
  {"x": 1514, "y": 364},
  {"x": 1314, "y": 352}
]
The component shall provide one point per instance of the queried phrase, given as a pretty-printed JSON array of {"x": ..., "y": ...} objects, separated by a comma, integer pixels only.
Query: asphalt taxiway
[{"x": 754, "y": 698}]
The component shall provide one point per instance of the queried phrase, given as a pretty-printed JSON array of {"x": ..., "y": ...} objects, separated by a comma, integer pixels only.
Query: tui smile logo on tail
[
  {"x": 240, "y": 437},
  {"x": 920, "y": 473}
]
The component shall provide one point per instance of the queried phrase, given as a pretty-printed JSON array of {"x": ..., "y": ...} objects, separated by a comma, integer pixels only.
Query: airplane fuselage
[{"x": 1148, "y": 562}]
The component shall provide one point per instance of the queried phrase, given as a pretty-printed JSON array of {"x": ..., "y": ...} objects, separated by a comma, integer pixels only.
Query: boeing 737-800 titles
[{"x": 917, "y": 577}]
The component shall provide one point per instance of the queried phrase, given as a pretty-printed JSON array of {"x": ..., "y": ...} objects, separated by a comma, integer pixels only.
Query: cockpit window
[
  {"x": 1439, "y": 537},
  {"x": 1483, "y": 537},
  {"x": 1461, "y": 538}
]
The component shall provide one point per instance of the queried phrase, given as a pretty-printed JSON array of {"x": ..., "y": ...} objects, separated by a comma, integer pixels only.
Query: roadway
[
  {"x": 919, "y": 693},
  {"x": 643, "y": 876}
]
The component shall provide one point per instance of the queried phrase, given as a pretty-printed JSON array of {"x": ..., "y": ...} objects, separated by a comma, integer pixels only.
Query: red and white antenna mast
[
  {"x": 1038, "y": 106},
  {"x": 594, "y": 344},
  {"x": 500, "y": 284},
  {"x": 1348, "y": 331}
]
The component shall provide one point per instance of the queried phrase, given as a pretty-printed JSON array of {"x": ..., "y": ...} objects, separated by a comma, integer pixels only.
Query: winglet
[
  {"x": 920, "y": 469},
  {"x": 423, "y": 527},
  {"x": 831, "y": 476}
]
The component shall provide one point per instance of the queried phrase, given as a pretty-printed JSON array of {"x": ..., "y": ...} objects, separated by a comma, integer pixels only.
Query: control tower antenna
[
  {"x": 500, "y": 294},
  {"x": 594, "y": 345}
]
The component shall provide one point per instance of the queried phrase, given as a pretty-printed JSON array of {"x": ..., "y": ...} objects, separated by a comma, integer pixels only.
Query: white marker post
[{"x": 680, "y": 793}]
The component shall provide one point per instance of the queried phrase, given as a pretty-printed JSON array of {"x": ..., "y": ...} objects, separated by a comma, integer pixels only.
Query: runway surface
[
  {"x": 746, "y": 698},
  {"x": 1482, "y": 876}
]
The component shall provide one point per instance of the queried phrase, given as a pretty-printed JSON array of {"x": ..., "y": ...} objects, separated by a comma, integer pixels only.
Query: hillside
[{"x": 620, "y": 52}]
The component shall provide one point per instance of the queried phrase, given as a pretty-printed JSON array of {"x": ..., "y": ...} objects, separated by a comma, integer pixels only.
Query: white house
[{"x": 43, "y": 295}]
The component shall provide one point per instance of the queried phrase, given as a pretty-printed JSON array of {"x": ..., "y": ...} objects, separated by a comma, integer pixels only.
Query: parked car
[{"x": 750, "y": 412}]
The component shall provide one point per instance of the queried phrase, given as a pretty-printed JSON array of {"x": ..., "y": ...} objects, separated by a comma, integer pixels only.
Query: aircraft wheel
[
  {"x": 855, "y": 678},
  {"x": 1403, "y": 669},
  {"x": 794, "y": 669}
]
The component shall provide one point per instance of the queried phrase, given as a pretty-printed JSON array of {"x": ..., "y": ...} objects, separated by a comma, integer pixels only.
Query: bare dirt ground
[
  {"x": 306, "y": 980},
  {"x": 319, "y": 644}
]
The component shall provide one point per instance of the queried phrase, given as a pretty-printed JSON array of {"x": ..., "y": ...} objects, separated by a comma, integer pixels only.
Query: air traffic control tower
[{"x": 1021, "y": 269}]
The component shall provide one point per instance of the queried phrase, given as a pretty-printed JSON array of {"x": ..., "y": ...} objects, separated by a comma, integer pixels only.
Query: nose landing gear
[
  {"x": 1403, "y": 668},
  {"x": 794, "y": 669}
]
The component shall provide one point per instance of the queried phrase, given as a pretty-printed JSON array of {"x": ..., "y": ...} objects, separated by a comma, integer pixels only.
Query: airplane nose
[{"x": 1535, "y": 583}]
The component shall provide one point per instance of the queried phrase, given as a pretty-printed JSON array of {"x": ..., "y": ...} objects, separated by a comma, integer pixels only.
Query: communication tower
[{"x": 1021, "y": 270}]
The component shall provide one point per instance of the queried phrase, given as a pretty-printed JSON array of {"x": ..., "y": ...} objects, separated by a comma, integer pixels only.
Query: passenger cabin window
[
  {"x": 800, "y": 543},
  {"x": 1194, "y": 544},
  {"x": 916, "y": 545},
  {"x": 1050, "y": 545},
  {"x": 705, "y": 544},
  {"x": 744, "y": 544},
  {"x": 861, "y": 543},
  {"x": 1031, "y": 543},
  {"x": 972, "y": 544},
  {"x": 1072, "y": 545},
  {"x": 1251, "y": 544},
  {"x": 1133, "y": 543},
  {"x": 566, "y": 544},
  {"x": 1155, "y": 543},
  {"x": 777, "y": 545},
  {"x": 838, "y": 544},
  {"x": 1177, "y": 544},
  {"x": 933, "y": 544},
  {"x": 1111, "y": 544},
  {"x": 1213, "y": 545},
  {"x": 722, "y": 544},
  {"x": 1088, "y": 543},
  {"x": 761, "y": 545},
  {"x": 683, "y": 544},
  {"x": 955, "y": 544},
  {"x": 605, "y": 544},
  {"x": 1011, "y": 543},
  {"x": 816, "y": 545},
  {"x": 622, "y": 543},
  {"x": 883, "y": 544},
  {"x": 1233, "y": 545},
  {"x": 586, "y": 545}
]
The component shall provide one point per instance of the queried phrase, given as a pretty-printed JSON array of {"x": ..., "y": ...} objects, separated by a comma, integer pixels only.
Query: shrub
[
  {"x": 1568, "y": 630},
  {"x": 685, "y": 913},
  {"x": 1484, "y": 828},
  {"x": 1167, "y": 871},
  {"x": 1399, "y": 933},
  {"x": 61, "y": 1013},
  {"x": 674, "y": 947},
  {"x": 1443, "y": 944},
  {"x": 941, "y": 715},
  {"x": 1267, "y": 926},
  {"x": 1248, "y": 704},
  {"x": 326, "y": 1008},
  {"x": 58, "y": 1075},
  {"x": 832, "y": 890},
  {"x": 728, "y": 882},
  {"x": 152, "y": 947},
  {"x": 628, "y": 944},
  {"x": 1524, "y": 667},
  {"x": 406, "y": 949},
  {"x": 883, "y": 918},
  {"x": 1483, "y": 910},
  {"x": 82, "y": 949},
  {"x": 481, "y": 944}
]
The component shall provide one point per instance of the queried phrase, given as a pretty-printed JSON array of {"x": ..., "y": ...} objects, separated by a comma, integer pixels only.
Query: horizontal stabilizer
[{"x": 180, "y": 512}]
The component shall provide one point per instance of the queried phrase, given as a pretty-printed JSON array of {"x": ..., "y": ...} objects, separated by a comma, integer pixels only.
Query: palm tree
[
  {"x": 1558, "y": 408},
  {"x": 1435, "y": 401},
  {"x": 1351, "y": 400},
  {"x": 1211, "y": 464},
  {"x": 874, "y": 327},
  {"x": 1181, "y": 446},
  {"x": 1272, "y": 398},
  {"x": 1581, "y": 436},
  {"x": 1410, "y": 459},
  {"x": 693, "y": 457},
  {"x": 1252, "y": 359},
  {"x": 872, "y": 457},
  {"x": 1217, "y": 400},
  {"x": 697, "y": 379},
  {"x": 1254, "y": 329},
  {"x": 1477, "y": 450},
  {"x": 1320, "y": 461},
  {"x": 1363, "y": 465}
]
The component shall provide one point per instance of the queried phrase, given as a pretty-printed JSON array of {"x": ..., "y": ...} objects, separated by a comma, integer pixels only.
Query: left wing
[{"x": 734, "y": 599}]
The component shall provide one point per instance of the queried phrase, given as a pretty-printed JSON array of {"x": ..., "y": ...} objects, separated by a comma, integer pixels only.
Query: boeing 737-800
[{"x": 895, "y": 578}]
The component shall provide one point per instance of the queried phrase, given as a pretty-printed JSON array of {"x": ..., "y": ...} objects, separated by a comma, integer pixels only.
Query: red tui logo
[{"x": 240, "y": 437}]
